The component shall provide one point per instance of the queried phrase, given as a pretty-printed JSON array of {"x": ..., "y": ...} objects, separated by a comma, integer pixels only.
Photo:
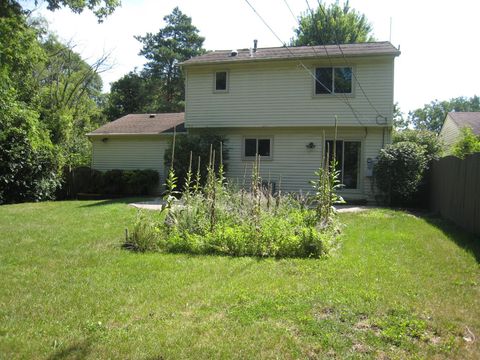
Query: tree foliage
[
  {"x": 49, "y": 98},
  {"x": 101, "y": 8},
  {"x": 399, "y": 120},
  {"x": 69, "y": 99},
  {"x": 178, "y": 41},
  {"x": 432, "y": 115},
  {"x": 334, "y": 24},
  {"x": 469, "y": 143},
  {"x": 129, "y": 95}
]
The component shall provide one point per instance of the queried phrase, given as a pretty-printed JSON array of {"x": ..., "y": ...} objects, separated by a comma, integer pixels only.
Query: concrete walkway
[
  {"x": 153, "y": 204},
  {"x": 156, "y": 204},
  {"x": 353, "y": 208}
]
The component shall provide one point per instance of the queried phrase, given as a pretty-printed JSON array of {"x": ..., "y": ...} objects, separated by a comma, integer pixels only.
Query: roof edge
[{"x": 394, "y": 52}]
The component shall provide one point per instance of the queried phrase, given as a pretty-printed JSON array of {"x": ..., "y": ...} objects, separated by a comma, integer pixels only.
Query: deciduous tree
[
  {"x": 129, "y": 95},
  {"x": 101, "y": 8},
  {"x": 431, "y": 116},
  {"x": 332, "y": 24}
]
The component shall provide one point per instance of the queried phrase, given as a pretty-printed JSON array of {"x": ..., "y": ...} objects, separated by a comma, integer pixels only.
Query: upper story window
[
  {"x": 221, "y": 81},
  {"x": 333, "y": 80},
  {"x": 257, "y": 146}
]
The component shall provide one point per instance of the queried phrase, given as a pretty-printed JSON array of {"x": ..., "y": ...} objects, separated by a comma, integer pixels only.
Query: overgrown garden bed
[{"x": 215, "y": 217}]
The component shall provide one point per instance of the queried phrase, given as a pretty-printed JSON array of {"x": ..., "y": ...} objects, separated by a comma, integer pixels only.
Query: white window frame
[
  {"x": 250, "y": 158},
  {"x": 333, "y": 93},
  {"x": 360, "y": 163},
  {"x": 215, "y": 82}
]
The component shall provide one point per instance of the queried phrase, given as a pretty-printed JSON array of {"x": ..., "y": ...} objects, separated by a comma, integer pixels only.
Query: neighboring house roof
[
  {"x": 143, "y": 124},
  {"x": 296, "y": 52},
  {"x": 463, "y": 119}
]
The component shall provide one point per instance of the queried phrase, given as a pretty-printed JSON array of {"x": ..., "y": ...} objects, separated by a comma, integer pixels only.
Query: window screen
[
  {"x": 323, "y": 84},
  {"x": 250, "y": 147},
  {"x": 254, "y": 146},
  {"x": 336, "y": 80},
  {"x": 343, "y": 80},
  {"x": 264, "y": 147},
  {"x": 221, "y": 81}
]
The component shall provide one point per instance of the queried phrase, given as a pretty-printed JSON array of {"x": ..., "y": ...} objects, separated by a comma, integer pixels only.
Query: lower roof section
[{"x": 143, "y": 124}]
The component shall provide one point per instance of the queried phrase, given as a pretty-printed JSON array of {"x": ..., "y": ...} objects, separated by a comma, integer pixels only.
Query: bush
[
  {"x": 140, "y": 182},
  {"x": 28, "y": 172},
  {"x": 199, "y": 145},
  {"x": 399, "y": 171},
  {"x": 429, "y": 140},
  {"x": 112, "y": 182}
]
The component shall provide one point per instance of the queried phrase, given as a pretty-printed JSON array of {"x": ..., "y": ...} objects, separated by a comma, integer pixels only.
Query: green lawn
[{"x": 399, "y": 287}]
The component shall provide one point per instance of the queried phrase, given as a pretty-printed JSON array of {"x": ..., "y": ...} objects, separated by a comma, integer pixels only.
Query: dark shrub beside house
[
  {"x": 84, "y": 180},
  {"x": 399, "y": 172}
]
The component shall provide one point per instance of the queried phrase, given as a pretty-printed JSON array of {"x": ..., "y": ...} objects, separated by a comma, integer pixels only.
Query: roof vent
[
  {"x": 151, "y": 116},
  {"x": 233, "y": 53}
]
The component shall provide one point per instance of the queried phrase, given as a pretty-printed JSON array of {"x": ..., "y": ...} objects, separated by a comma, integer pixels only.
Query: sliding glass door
[{"x": 347, "y": 154}]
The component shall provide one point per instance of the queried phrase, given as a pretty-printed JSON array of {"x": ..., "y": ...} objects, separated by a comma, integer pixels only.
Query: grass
[{"x": 399, "y": 287}]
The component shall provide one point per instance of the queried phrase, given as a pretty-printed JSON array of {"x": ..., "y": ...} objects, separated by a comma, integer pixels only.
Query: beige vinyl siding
[
  {"x": 281, "y": 93},
  {"x": 130, "y": 153},
  {"x": 449, "y": 133},
  {"x": 293, "y": 162}
]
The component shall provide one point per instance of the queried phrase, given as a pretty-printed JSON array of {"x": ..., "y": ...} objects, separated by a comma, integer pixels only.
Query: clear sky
[{"x": 439, "y": 39}]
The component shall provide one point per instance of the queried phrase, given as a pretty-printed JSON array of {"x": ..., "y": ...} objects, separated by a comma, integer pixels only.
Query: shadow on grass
[
  {"x": 77, "y": 350},
  {"x": 114, "y": 201},
  {"x": 461, "y": 237}
]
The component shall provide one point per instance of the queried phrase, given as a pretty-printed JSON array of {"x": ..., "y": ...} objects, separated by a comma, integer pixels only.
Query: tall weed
[{"x": 220, "y": 218}]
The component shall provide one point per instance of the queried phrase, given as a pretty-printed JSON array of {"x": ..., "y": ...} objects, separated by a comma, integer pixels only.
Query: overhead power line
[
  {"x": 290, "y": 9},
  {"x": 346, "y": 62},
  {"x": 329, "y": 58},
  {"x": 300, "y": 62}
]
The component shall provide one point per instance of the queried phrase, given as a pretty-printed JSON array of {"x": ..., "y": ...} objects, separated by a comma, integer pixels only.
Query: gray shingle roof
[
  {"x": 470, "y": 119},
  {"x": 143, "y": 124},
  {"x": 298, "y": 52}
]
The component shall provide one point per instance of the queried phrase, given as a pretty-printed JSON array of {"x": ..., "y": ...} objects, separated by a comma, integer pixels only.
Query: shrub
[
  {"x": 199, "y": 145},
  {"x": 28, "y": 171},
  {"x": 468, "y": 143},
  {"x": 399, "y": 170},
  {"x": 111, "y": 182},
  {"x": 140, "y": 182}
]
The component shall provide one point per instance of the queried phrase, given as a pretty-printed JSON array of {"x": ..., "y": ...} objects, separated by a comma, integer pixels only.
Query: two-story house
[{"x": 281, "y": 103}]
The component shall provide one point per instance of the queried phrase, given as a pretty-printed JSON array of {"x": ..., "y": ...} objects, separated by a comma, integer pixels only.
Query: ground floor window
[
  {"x": 260, "y": 146},
  {"x": 348, "y": 158}
]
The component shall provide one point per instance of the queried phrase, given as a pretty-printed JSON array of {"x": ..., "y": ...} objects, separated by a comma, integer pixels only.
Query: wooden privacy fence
[{"x": 455, "y": 190}]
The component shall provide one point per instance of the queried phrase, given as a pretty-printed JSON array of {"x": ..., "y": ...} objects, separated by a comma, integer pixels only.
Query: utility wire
[
  {"x": 293, "y": 55},
  {"x": 286, "y": 47},
  {"x": 346, "y": 62},
  {"x": 329, "y": 60},
  {"x": 290, "y": 9}
]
